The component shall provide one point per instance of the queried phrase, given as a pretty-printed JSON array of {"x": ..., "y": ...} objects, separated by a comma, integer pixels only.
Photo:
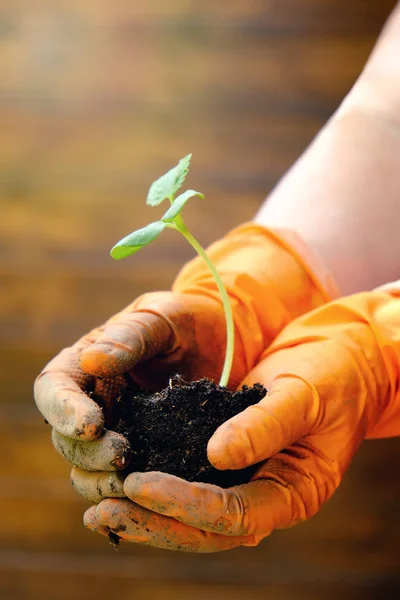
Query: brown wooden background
[{"x": 96, "y": 99}]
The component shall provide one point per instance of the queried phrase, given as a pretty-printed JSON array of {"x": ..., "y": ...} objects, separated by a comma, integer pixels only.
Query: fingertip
[
  {"x": 67, "y": 407},
  {"x": 110, "y": 511},
  {"x": 91, "y": 426},
  {"x": 110, "y": 452},
  {"x": 96, "y": 486},
  {"x": 145, "y": 485},
  {"x": 86, "y": 419},
  {"x": 99, "y": 360},
  {"x": 78, "y": 418},
  {"x": 122, "y": 452},
  {"x": 216, "y": 452},
  {"x": 228, "y": 448},
  {"x": 133, "y": 484},
  {"x": 90, "y": 522},
  {"x": 89, "y": 517}
]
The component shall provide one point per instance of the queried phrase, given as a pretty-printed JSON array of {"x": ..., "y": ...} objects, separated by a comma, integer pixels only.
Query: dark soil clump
[
  {"x": 168, "y": 431},
  {"x": 114, "y": 539}
]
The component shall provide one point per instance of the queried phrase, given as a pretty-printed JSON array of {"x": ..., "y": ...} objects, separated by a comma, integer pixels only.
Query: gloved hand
[
  {"x": 270, "y": 277},
  {"x": 333, "y": 380}
]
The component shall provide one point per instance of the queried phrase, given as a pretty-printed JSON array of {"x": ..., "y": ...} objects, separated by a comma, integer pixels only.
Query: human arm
[
  {"x": 286, "y": 270},
  {"x": 342, "y": 195}
]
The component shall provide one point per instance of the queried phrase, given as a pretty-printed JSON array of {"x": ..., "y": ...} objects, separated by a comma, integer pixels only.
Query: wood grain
[{"x": 96, "y": 100}]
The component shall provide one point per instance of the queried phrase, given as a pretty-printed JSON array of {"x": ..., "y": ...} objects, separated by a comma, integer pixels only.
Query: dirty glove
[
  {"x": 333, "y": 380},
  {"x": 270, "y": 277}
]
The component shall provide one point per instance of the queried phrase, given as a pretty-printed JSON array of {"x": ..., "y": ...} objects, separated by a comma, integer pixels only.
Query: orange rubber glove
[
  {"x": 333, "y": 379},
  {"x": 271, "y": 278}
]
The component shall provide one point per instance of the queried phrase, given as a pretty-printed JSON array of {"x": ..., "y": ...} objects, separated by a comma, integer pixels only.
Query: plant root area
[{"x": 169, "y": 430}]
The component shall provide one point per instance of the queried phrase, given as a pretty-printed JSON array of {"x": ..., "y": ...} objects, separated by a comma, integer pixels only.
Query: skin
[{"x": 341, "y": 197}]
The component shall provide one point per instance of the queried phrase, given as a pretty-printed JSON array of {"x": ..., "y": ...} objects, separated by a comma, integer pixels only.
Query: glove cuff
[
  {"x": 271, "y": 277},
  {"x": 393, "y": 287},
  {"x": 388, "y": 334},
  {"x": 311, "y": 263}
]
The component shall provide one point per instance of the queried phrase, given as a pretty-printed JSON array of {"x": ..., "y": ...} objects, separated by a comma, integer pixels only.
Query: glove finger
[
  {"x": 135, "y": 524},
  {"x": 307, "y": 385},
  {"x": 131, "y": 336},
  {"x": 109, "y": 452},
  {"x": 98, "y": 485},
  {"x": 287, "y": 489},
  {"x": 92, "y": 523},
  {"x": 284, "y": 415},
  {"x": 60, "y": 399},
  {"x": 239, "y": 511}
]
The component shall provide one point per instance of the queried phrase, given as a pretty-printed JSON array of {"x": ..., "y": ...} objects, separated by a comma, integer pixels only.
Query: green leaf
[
  {"x": 167, "y": 185},
  {"x": 135, "y": 241},
  {"x": 178, "y": 205}
]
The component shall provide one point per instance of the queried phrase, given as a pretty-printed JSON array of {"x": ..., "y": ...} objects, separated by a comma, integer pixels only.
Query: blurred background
[{"x": 97, "y": 98}]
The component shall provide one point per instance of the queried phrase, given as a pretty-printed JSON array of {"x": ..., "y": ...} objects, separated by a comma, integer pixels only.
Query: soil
[{"x": 168, "y": 431}]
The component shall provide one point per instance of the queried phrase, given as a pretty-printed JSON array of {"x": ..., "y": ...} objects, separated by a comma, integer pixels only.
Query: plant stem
[{"x": 179, "y": 224}]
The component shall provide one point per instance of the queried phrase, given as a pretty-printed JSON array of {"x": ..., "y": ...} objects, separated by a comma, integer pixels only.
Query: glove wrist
[{"x": 271, "y": 277}]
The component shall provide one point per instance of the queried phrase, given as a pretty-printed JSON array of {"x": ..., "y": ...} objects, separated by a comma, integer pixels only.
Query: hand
[
  {"x": 332, "y": 377},
  {"x": 269, "y": 283},
  {"x": 158, "y": 335}
]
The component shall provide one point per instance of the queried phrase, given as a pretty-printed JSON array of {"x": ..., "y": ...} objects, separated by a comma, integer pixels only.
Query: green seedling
[{"x": 165, "y": 188}]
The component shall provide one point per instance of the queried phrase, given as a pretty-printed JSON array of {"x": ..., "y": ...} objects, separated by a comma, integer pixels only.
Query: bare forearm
[{"x": 343, "y": 195}]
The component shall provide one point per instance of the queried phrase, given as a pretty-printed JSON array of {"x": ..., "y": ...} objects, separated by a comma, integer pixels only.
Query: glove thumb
[
  {"x": 129, "y": 337},
  {"x": 287, "y": 413}
]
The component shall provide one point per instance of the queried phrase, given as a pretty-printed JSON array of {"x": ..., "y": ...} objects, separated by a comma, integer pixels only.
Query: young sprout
[{"x": 164, "y": 188}]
